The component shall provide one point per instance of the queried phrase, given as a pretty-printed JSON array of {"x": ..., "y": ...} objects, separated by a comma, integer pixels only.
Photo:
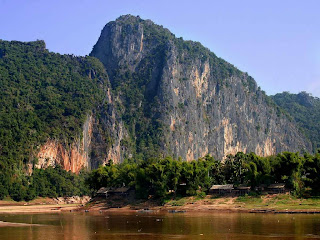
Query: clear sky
[{"x": 275, "y": 41}]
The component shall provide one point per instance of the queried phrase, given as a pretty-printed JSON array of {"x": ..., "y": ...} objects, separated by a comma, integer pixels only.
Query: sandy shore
[
  {"x": 42, "y": 205},
  {"x": 263, "y": 204},
  {"x": 38, "y": 208}
]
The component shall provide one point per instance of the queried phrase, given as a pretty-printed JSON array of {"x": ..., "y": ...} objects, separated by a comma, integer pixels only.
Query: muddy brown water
[{"x": 78, "y": 226}]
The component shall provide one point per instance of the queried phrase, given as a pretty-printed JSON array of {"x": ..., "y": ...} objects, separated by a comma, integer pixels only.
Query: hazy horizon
[{"x": 277, "y": 43}]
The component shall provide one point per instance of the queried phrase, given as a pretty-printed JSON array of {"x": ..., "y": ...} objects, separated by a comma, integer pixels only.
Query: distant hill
[{"x": 305, "y": 109}]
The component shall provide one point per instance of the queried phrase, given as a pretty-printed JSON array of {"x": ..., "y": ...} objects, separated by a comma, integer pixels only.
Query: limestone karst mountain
[
  {"x": 178, "y": 97},
  {"x": 154, "y": 94}
]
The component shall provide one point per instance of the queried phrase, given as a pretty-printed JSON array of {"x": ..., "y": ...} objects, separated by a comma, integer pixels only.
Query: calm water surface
[{"x": 162, "y": 226}]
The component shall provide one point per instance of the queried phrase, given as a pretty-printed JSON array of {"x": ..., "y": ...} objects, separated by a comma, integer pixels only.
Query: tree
[
  {"x": 287, "y": 168},
  {"x": 311, "y": 171},
  {"x": 17, "y": 191}
]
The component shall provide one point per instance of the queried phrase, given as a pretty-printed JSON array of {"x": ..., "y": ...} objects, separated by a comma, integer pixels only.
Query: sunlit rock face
[
  {"x": 202, "y": 103},
  {"x": 144, "y": 93},
  {"x": 166, "y": 96},
  {"x": 100, "y": 141}
]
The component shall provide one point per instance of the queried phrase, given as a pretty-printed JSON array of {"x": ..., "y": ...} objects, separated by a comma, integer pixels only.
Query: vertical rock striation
[
  {"x": 161, "y": 95},
  {"x": 201, "y": 103},
  {"x": 71, "y": 157}
]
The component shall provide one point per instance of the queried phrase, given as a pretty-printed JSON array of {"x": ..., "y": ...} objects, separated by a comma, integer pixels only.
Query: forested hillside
[
  {"x": 305, "y": 109},
  {"x": 43, "y": 96}
]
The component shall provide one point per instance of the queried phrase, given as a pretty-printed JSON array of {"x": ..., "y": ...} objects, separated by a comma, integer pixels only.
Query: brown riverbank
[
  {"x": 282, "y": 203},
  {"x": 50, "y": 208},
  {"x": 43, "y": 205}
]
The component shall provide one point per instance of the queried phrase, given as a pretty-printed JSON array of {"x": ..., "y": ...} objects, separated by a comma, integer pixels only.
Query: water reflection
[{"x": 76, "y": 226}]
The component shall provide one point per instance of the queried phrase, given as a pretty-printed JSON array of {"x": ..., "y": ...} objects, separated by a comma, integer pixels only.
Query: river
[{"x": 78, "y": 226}]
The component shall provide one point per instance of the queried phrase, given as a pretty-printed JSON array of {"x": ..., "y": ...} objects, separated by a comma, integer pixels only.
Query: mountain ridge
[
  {"x": 151, "y": 95},
  {"x": 176, "y": 76}
]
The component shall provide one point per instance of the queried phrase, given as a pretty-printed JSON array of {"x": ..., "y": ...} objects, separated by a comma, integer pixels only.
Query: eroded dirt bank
[
  {"x": 281, "y": 203},
  {"x": 278, "y": 203}
]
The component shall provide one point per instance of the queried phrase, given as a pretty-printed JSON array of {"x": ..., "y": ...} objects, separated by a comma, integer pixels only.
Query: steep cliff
[
  {"x": 152, "y": 95},
  {"x": 99, "y": 141},
  {"x": 108, "y": 134},
  {"x": 176, "y": 97}
]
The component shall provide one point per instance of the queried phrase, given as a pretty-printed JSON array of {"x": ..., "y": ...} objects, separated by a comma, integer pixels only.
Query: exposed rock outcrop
[
  {"x": 202, "y": 103},
  {"x": 100, "y": 141},
  {"x": 72, "y": 157},
  {"x": 167, "y": 96},
  {"x": 108, "y": 134}
]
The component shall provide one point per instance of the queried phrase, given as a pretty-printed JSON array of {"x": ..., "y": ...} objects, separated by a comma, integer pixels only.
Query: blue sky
[{"x": 276, "y": 42}]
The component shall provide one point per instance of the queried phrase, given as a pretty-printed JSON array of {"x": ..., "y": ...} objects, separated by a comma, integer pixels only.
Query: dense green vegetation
[
  {"x": 158, "y": 176},
  {"x": 305, "y": 110},
  {"x": 42, "y": 95},
  {"x": 50, "y": 182}
]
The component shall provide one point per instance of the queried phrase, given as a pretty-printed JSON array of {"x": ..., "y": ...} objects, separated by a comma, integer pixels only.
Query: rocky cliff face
[
  {"x": 154, "y": 95},
  {"x": 195, "y": 102},
  {"x": 102, "y": 133},
  {"x": 108, "y": 134},
  {"x": 72, "y": 157}
]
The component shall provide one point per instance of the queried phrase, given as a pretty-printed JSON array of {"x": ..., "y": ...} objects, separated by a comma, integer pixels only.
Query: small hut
[
  {"x": 276, "y": 188},
  {"x": 119, "y": 191},
  {"x": 221, "y": 189},
  {"x": 102, "y": 192},
  {"x": 242, "y": 190},
  {"x": 106, "y": 192}
]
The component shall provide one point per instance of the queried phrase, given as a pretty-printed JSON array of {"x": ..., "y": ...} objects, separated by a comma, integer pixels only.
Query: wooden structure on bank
[
  {"x": 276, "y": 188},
  {"x": 221, "y": 189},
  {"x": 105, "y": 192},
  {"x": 241, "y": 190},
  {"x": 102, "y": 192},
  {"x": 229, "y": 189}
]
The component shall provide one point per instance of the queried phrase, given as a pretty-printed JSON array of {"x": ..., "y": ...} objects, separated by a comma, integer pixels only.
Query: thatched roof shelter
[
  {"x": 102, "y": 190},
  {"x": 276, "y": 188},
  {"x": 119, "y": 190},
  {"x": 105, "y": 191},
  {"x": 277, "y": 185},
  {"x": 222, "y": 187}
]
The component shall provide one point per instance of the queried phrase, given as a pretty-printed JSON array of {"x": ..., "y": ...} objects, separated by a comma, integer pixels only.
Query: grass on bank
[
  {"x": 279, "y": 202},
  {"x": 275, "y": 202}
]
